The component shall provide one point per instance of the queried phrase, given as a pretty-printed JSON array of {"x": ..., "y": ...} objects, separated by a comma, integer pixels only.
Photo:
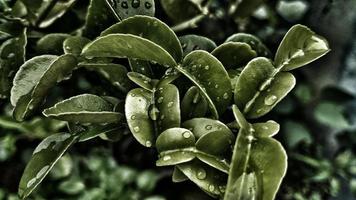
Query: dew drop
[
  {"x": 201, "y": 174},
  {"x": 42, "y": 172},
  {"x": 194, "y": 67},
  {"x": 206, "y": 67},
  {"x": 208, "y": 127},
  {"x": 270, "y": 100},
  {"x": 148, "y": 143},
  {"x": 167, "y": 157},
  {"x": 148, "y": 5},
  {"x": 124, "y": 5},
  {"x": 133, "y": 117},
  {"x": 31, "y": 182},
  {"x": 226, "y": 95},
  {"x": 133, "y": 95},
  {"x": 186, "y": 134},
  {"x": 135, "y": 3},
  {"x": 222, "y": 189},
  {"x": 137, "y": 129},
  {"x": 265, "y": 127},
  {"x": 170, "y": 104},
  {"x": 160, "y": 100},
  {"x": 11, "y": 55},
  {"x": 211, "y": 188},
  {"x": 68, "y": 48}
]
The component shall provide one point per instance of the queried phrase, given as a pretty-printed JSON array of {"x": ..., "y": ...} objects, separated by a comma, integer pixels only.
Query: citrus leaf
[
  {"x": 34, "y": 80},
  {"x": 85, "y": 108},
  {"x": 267, "y": 129},
  {"x": 137, "y": 104},
  {"x": 167, "y": 102},
  {"x": 255, "y": 43},
  {"x": 141, "y": 80},
  {"x": 74, "y": 45},
  {"x": 43, "y": 159},
  {"x": 151, "y": 29},
  {"x": 209, "y": 75},
  {"x": 193, "y": 104},
  {"x": 208, "y": 179},
  {"x": 260, "y": 87},
  {"x": 175, "y": 145},
  {"x": 299, "y": 47},
  {"x": 129, "y": 8},
  {"x": 234, "y": 54},
  {"x": 128, "y": 46},
  {"x": 178, "y": 175},
  {"x": 141, "y": 66},
  {"x": 51, "y": 43},
  {"x": 196, "y": 42}
]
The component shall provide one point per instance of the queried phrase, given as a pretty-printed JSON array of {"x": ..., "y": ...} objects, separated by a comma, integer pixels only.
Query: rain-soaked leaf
[
  {"x": 85, "y": 108},
  {"x": 128, "y": 46},
  {"x": 115, "y": 73},
  {"x": 152, "y": 29},
  {"x": 196, "y": 42},
  {"x": 44, "y": 157},
  {"x": 75, "y": 44},
  {"x": 58, "y": 10},
  {"x": 12, "y": 56},
  {"x": 51, "y": 43},
  {"x": 193, "y": 104},
  {"x": 137, "y": 106},
  {"x": 207, "y": 178},
  {"x": 167, "y": 102},
  {"x": 128, "y": 8},
  {"x": 252, "y": 176},
  {"x": 255, "y": 43},
  {"x": 299, "y": 47},
  {"x": 34, "y": 80},
  {"x": 142, "y": 67},
  {"x": 234, "y": 55},
  {"x": 266, "y": 129},
  {"x": 260, "y": 87},
  {"x": 103, "y": 131},
  {"x": 141, "y": 80},
  {"x": 175, "y": 145},
  {"x": 98, "y": 18},
  {"x": 209, "y": 75}
]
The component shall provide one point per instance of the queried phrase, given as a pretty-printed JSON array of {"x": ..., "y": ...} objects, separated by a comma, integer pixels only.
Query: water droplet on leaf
[{"x": 270, "y": 100}]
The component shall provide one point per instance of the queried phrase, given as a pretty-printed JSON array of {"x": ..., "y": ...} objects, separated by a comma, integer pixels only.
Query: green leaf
[
  {"x": 34, "y": 80},
  {"x": 58, "y": 10},
  {"x": 43, "y": 159},
  {"x": 152, "y": 29},
  {"x": 137, "y": 105},
  {"x": 51, "y": 43},
  {"x": 85, "y": 108},
  {"x": 208, "y": 179},
  {"x": 12, "y": 56},
  {"x": 180, "y": 11},
  {"x": 255, "y": 43},
  {"x": 175, "y": 145},
  {"x": 299, "y": 47},
  {"x": 98, "y": 18},
  {"x": 234, "y": 54},
  {"x": 331, "y": 114},
  {"x": 209, "y": 75},
  {"x": 74, "y": 45},
  {"x": 141, "y": 80},
  {"x": 178, "y": 175},
  {"x": 193, "y": 104},
  {"x": 266, "y": 129},
  {"x": 115, "y": 73},
  {"x": 142, "y": 67},
  {"x": 129, "y": 8},
  {"x": 196, "y": 42},
  {"x": 243, "y": 8},
  {"x": 296, "y": 133},
  {"x": 128, "y": 46},
  {"x": 100, "y": 130},
  {"x": 251, "y": 167},
  {"x": 167, "y": 102},
  {"x": 260, "y": 87}
]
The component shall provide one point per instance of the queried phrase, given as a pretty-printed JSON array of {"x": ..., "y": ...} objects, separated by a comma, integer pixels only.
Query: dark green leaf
[
  {"x": 255, "y": 43},
  {"x": 193, "y": 104},
  {"x": 51, "y": 43},
  {"x": 129, "y": 8},
  {"x": 195, "y": 42},
  {"x": 58, "y": 10},
  {"x": 74, "y": 45},
  {"x": 181, "y": 10},
  {"x": 141, "y": 80},
  {"x": 244, "y": 8}
]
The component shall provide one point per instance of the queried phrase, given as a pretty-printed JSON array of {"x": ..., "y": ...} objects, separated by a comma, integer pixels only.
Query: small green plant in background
[{"x": 183, "y": 96}]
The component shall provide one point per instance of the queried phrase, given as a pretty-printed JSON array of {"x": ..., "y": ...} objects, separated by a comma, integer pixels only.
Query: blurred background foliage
[{"x": 318, "y": 118}]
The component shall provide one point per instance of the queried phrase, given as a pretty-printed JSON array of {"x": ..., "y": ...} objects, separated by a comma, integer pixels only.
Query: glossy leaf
[
  {"x": 168, "y": 104},
  {"x": 94, "y": 131},
  {"x": 141, "y": 66},
  {"x": 193, "y": 104},
  {"x": 58, "y": 10},
  {"x": 209, "y": 75},
  {"x": 260, "y": 87},
  {"x": 175, "y": 145},
  {"x": 255, "y": 43},
  {"x": 35, "y": 78},
  {"x": 234, "y": 54},
  {"x": 299, "y": 47},
  {"x": 85, "y": 108},
  {"x": 208, "y": 179},
  {"x": 151, "y": 29},
  {"x": 266, "y": 129},
  {"x": 43, "y": 159},
  {"x": 141, "y": 80},
  {"x": 51, "y": 43},
  {"x": 128, "y": 46},
  {"x": 115, "y": 73},
  {"x": 12, "y": 56},
  {"x": 137, "y": 105},
  {"x": 196, "y": 42},
  {"x": 178, "y": 175},
  {"x": 129, "y": 8},
  {"x": 74, "y": 45}
]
